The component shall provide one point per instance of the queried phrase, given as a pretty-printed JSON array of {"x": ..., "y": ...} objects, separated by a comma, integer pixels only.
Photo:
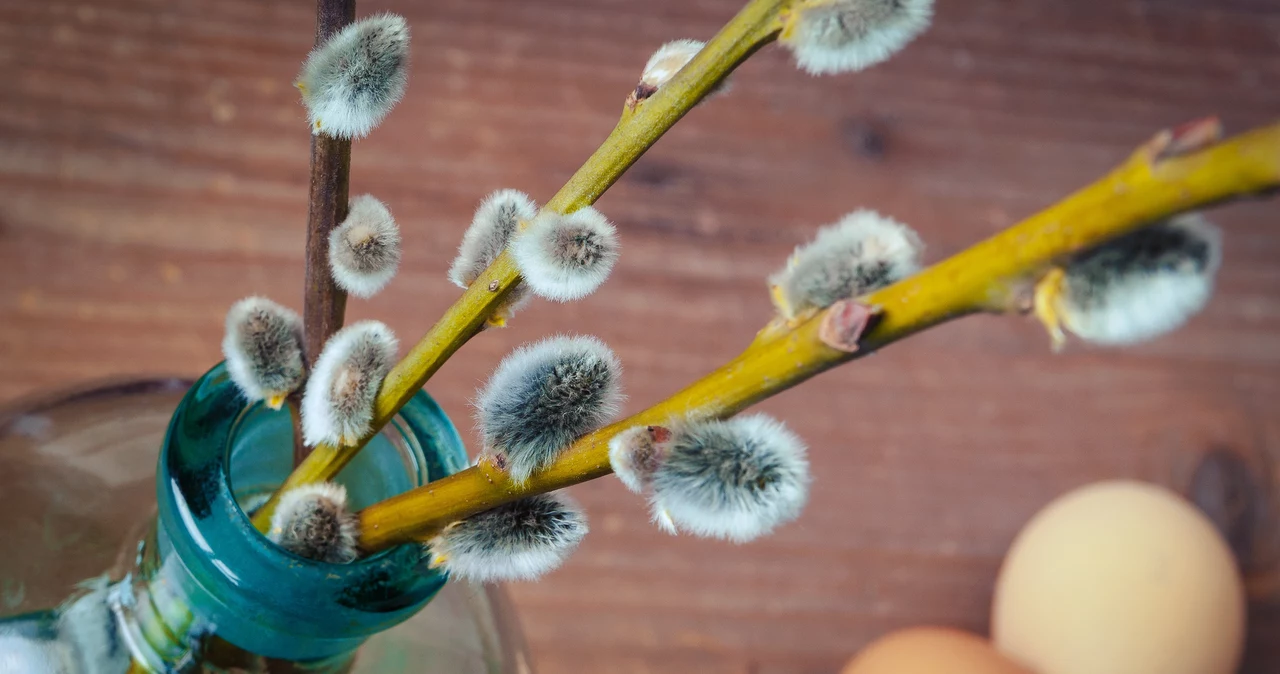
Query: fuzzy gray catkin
[
  {"x": 736, "y": 479},
  {"x": 542, "y": 397},
  {"x": 520, "y": 540},
  {"x": 1141, "y": 285},
  {"x": 566, "y": 257},
  {"x": 364, "y": 250},
  {"x": 264, "y": 350},
  {"x": 494, "y": 224},
  {"x": 352, "y": 81},
  {"x": 313, "y": 521},
  {"x": 636, "y": 453},
  {"x": 337, "y": 406},
  {"x": 862, "y": 252},
  {"x": 833, "y": 36}
]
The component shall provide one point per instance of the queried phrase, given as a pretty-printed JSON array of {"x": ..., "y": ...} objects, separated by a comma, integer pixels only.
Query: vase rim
[{"x": 232, "y": 570}]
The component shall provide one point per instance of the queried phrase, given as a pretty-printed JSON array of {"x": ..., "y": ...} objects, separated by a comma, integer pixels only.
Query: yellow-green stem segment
[
  {"x": 987, "y": 276},
  {"x": 756, "y": 25}
]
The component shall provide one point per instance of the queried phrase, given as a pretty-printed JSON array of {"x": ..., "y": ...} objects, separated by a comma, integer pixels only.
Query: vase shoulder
[{"x": 203, "y": 583}]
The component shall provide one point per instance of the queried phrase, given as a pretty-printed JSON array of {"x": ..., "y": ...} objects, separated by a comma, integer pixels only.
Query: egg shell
[
  {"x": 1120, "y": 578},
  {"x": 930, "y": 650}
]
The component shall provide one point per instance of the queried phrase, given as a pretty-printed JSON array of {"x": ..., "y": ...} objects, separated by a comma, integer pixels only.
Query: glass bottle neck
[{"x": 209, "y": 588}]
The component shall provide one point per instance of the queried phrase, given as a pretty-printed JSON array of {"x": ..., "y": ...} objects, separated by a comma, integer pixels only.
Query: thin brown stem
[
  {"x": 332, "y": 16},
  {"x": 324, "y": 304}
]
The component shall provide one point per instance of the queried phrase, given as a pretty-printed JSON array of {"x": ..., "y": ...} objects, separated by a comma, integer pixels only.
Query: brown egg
[
  {"x": 1120, "y": 578},
  {"x": 930, "y": 650}
]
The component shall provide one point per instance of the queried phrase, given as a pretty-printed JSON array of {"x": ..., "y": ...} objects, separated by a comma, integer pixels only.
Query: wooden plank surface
[{"x": 153, "y": 167}]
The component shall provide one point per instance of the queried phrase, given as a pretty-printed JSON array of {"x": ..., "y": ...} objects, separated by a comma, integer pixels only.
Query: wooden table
[{"x": 153, "y": 166}]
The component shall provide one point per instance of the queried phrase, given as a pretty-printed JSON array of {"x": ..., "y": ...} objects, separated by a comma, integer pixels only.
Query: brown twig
[{"x": 324, "y": 304}]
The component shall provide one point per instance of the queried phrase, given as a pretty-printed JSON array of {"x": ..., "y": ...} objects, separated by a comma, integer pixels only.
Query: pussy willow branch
[
  {"x": 987, "y": 277},
  {"x": 756, "y": 25},
  {"x": 324, "y": 304}
]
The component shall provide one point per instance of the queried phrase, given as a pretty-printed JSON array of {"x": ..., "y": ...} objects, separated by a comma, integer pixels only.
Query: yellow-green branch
[
  {"x": 756, "y": 25},
  {"x": 988, "y": 276}
]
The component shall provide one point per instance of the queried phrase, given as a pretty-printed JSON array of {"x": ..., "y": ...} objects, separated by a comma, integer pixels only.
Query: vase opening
[
  {"x": 259, "y": 457},
  {"x": 207, "y": 573}
]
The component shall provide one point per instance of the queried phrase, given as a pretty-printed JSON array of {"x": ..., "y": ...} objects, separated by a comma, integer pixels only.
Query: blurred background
[{"x": 153, "y": 169}]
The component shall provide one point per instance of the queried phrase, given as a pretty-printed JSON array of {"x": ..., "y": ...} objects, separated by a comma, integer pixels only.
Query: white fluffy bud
[
  {"x": 313, "y": 521},
  {"x": 352, "y": 81},
  {"x": 1141, "y": 285},
  {"x": 735, "y": 479},
  {"x": 545, "y": 395},
  {"x": 520, "y": 540},
  {"x": 263, "y": 348},
  {"x": 337, "y": 407},
  {"x": 833, "y": 36},
  {"x": 566, "y": 257},
  {"x": 863, "y": 252},
  {"x": 364, "y": 251}
]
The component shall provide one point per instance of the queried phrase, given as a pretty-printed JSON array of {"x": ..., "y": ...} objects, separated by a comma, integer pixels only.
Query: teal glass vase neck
[
  {"x": 189, "y": 586},
  {"x": 212, "y": 587},
  {"x": 208, "y": 592},
  {"x": 224, "y": 583}
]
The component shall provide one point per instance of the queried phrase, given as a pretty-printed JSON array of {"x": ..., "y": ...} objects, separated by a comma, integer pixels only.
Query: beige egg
[
  {"x": 1120, "y": 578},
  {"x": 930, "y": 650}
]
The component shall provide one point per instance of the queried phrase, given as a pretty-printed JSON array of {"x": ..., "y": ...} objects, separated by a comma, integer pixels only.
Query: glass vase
[{"x": 116, "y": 563}]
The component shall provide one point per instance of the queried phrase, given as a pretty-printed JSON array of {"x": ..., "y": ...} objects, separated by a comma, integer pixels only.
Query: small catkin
[
  {"x": 352, "y": 81},
  {"x": 337, "y": 407},
  {"x": 545, "y": 395},
  {"x": 364, "y": 251},
  {"x": 664, "y": 64},
  {"x": 834, "y": 36},
  {"x": 492, "y": 227},
  {"x": 313, "y": 521},
  {"x": 636, "y": 453},
  {"x": 520, "y": 540},
  {"x": 735, "y": 479},
  {"x": 863, "y": 252},
  {"x": 566, "y": 257},
  {"x": 1142, "y": 285},
  {"x": 263, "y": 349}
]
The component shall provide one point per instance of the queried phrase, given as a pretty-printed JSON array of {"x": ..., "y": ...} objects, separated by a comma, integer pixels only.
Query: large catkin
[{"x": 545, "y": 395}]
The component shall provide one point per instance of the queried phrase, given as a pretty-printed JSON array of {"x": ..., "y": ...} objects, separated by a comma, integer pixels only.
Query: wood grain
[{"x": 153, "y": 169}]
